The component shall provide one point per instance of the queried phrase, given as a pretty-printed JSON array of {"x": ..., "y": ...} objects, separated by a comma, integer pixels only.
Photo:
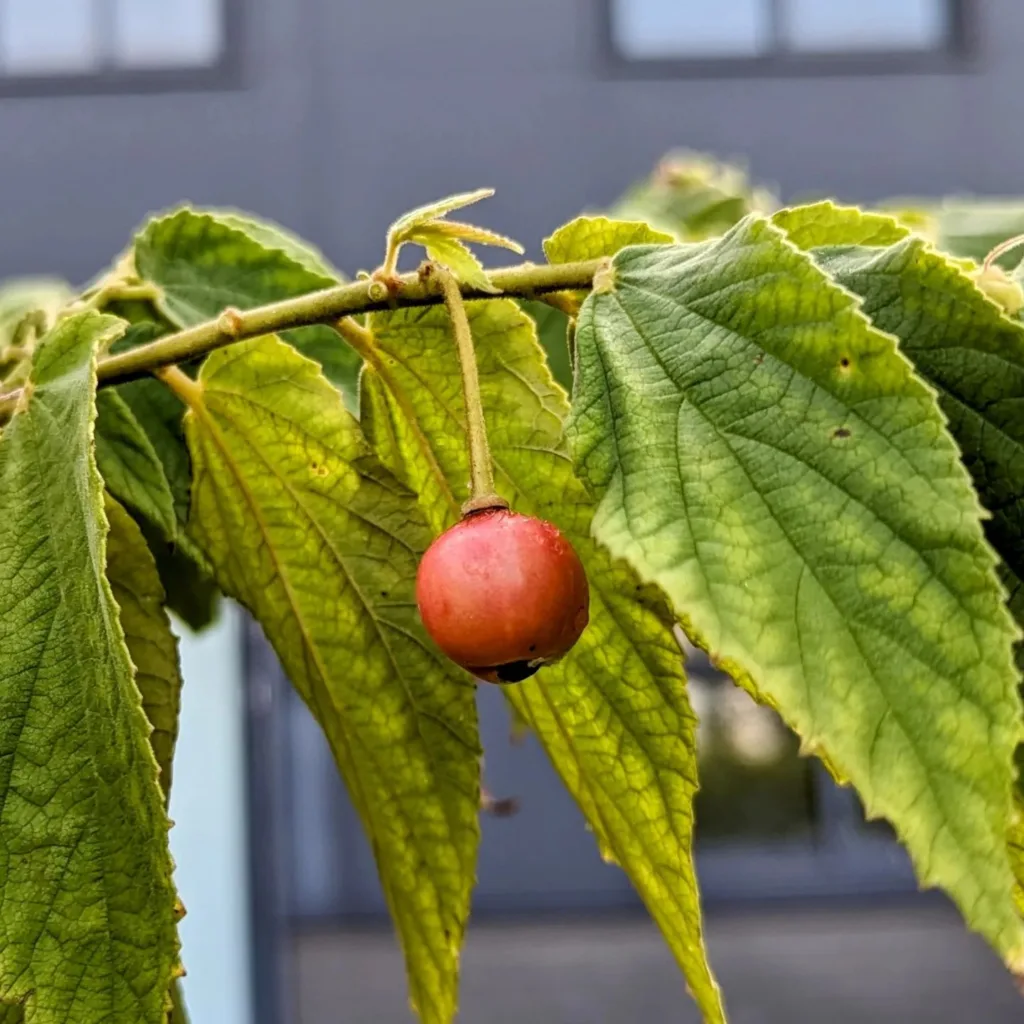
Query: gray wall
[{"x": 350, "y": 111}]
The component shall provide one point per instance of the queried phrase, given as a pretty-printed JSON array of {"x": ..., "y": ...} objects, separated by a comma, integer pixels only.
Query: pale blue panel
[
  {"x": 836, "y": 25},
  {"x": 209, "y": 840},
  {"x": 167, "y": 33},
  {"x": 40, "y": 37},
  {"x": 652, "y": 29}
]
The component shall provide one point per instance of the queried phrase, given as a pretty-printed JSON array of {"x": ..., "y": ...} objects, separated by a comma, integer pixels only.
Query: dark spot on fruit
[
  {"x": 840, "y": 432},
  {"x": 516, "y": 671},
  {"x": 844, "y": 363},
  {"x": 533, "y": 647},
  {"x": 383, "y": 593}
]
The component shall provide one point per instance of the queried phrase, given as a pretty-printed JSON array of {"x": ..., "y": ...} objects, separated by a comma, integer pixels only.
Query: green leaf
[
  {"x": 613, "y": 715},
  {"x": 590, "y": 238},
  {"x": 471, "y": 233},
  {"x": 129, "y": 464},
  {"x": 826, "y": 223},
  {"x": 87, "y": 928},
  {"x": 308, "y": 531},
  {"x": 205, "y": 262},
  {"x": 455, "y": 256},
  {"x": 159, "y": 412},
  {"x": 769, "y": 459},
  {"x": 958, "y": 340},
  {"x": 191, "y": 591},
  {"x": 274, "y": 236},
  {"x": 152, "y": 646},
  {"x": 408, "y": 222}
]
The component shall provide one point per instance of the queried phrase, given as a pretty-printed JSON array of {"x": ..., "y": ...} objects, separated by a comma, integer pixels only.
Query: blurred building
[{"x": 333, "y": 116}]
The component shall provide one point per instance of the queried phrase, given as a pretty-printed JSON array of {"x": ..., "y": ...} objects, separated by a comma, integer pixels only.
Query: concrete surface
[{"x": 876, "y": 966}]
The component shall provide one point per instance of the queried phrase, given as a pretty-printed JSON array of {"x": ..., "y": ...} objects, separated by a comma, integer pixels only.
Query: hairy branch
[{"x": 322, "y": 307}]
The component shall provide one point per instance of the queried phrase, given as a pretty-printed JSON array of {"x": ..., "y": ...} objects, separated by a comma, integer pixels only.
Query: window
[
  {"x": 71, "y": 45},
  {"x": 784, "y": 33}
]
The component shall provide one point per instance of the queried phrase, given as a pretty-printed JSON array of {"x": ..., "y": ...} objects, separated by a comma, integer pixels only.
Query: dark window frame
[
  {"x": 222, "y": 74},
  {"x": 956, "y": 55}
]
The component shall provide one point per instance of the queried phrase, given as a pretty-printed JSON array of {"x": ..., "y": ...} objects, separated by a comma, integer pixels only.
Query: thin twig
[
  {"x": 481, "y": 472},
  {"x": 321, "y": 307}
]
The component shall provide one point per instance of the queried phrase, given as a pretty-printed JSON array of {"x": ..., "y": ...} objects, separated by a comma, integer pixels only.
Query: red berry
[{"x": 502, "y": 594}]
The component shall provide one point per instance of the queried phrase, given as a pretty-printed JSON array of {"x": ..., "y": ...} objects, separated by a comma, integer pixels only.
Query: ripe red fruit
[{"x": 502, "y": 594}]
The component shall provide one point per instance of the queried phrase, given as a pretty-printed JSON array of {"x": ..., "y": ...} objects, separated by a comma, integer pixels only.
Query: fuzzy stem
[
  {"x": 482, "y": 494},
  {"x": 322, "y": 307}
]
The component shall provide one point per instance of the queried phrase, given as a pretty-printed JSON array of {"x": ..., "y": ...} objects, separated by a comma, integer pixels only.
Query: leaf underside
[
  {"x": 307, "y": 530},
  {"x": 87, "y": 930},
  {"x": 613, "y": 714},
  {"x": 766, "y": 457}
]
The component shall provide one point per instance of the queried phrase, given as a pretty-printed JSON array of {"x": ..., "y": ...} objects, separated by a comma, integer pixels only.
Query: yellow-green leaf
[
  {"x": 204, "y": 261},
  {"x": 590, "y": 238},
  {"x": 307, "y": 530},
  {"x": 455, "y": 256},
  {"x": 400, "y": 229},
  {"x": 613, "y": 715},
  {"x": 766, "y": 456},
  {"x": 87, "y": 927}
]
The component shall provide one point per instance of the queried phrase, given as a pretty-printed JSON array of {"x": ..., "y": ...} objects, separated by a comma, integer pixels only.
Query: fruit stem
[{"x": 482, "y": 494}]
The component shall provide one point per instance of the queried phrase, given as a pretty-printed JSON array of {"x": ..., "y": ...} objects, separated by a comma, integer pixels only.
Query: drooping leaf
[
  {"x": 205, "y": 262},
  {"x": 769, "y": 459},
  {"x": 192, "y": 593},
  {"x": 159, "y": 412},
  {"x": 87, "y": 928},
  {"x": 129, "y": 464},
  {"x": 613, "y": 715},
  {"x": 957, "y": 339},
  {"x": 152, "y": 646},
  {"x": 308, "y": 531}
]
